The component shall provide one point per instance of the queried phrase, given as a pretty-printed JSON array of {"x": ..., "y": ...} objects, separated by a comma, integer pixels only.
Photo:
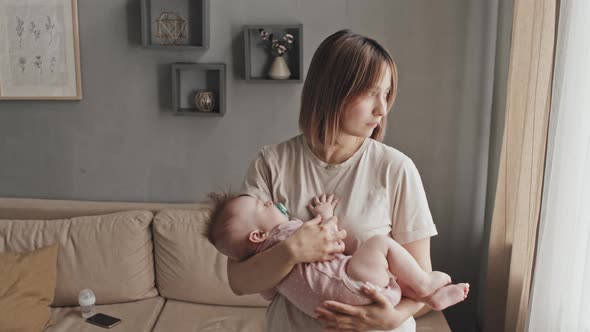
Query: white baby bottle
[{"x": 86, "y": 299}]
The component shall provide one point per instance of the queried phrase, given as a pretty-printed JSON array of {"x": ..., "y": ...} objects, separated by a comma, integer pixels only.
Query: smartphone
[{"x": 103, "y": 320}]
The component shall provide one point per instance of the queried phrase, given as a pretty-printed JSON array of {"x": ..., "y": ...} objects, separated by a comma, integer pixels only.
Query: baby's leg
[
  {"x": 381, "y": 253},
  {"x": 447, "y": 296},
  {"x": 442, "y": 298}
]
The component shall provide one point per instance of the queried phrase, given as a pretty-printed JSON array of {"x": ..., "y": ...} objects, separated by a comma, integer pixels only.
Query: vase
[
  {"x": 279, "y": 69},
  {"x": 205, "y": 100}
]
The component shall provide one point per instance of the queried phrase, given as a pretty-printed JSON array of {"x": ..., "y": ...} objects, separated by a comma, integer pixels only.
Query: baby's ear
[{"x": 257, "y": 236}]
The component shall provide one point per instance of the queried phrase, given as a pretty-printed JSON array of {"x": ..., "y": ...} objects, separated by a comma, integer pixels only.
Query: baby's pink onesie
[{"x": 309, "y": 284}]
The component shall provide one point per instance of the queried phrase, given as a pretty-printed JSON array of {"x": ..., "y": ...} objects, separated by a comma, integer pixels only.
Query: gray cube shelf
[
  {"x": 188, "y": 78},
  {"x": 258, "y": 59},
  {"x": 196, "y": 12}
]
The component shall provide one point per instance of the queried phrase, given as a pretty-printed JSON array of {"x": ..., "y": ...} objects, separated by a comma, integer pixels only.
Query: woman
[{"x": 350, "y": 87}]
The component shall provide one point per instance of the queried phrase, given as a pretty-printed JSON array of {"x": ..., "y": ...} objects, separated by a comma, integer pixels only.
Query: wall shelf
[
  {"x": 196, "y": 12},
  {"x": 258, "y": 59},
  {"x": 188, "y": 78}
]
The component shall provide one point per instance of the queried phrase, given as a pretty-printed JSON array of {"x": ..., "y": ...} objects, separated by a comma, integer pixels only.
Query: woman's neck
[{"x": 338, "y": 153}]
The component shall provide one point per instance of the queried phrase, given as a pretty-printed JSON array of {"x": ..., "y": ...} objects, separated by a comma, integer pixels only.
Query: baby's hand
[{"x": 323, "y": 205}]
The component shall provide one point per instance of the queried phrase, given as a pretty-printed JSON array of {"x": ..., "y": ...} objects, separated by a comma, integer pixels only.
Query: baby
[{"x": 244, "y": 226}]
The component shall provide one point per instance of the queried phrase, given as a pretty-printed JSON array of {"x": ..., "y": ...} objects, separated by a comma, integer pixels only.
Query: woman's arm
[
  {"x": 312, "y": 242},
  {"x": 262, "y": 271},
  {"x": 420, "y": 250},
  {"x": 380, "y": 315}
]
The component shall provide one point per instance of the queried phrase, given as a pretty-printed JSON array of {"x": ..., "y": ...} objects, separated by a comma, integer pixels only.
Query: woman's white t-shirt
[{"x": 380, "y": 192}]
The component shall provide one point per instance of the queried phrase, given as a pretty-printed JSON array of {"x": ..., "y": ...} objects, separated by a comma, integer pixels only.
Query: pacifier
[{"x": 282, "y": 208}]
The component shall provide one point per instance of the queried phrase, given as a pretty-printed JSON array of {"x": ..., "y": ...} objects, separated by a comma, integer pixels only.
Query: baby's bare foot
[
  {"x": 447, "y": 296},
  {"x": 435, "y": 280}
]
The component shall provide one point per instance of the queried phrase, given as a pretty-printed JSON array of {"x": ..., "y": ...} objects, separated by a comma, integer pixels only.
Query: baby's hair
[{"x": 218, "y": 201}]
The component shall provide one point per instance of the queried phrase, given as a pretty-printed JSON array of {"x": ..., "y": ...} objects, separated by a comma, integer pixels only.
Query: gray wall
[
  {"x": 446, "y": 54},
  {"x": 117, "y": 144}
]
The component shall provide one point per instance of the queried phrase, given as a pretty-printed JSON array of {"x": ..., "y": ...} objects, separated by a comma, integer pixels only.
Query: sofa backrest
[
  {"x": 188, "y": 267},
  {"x": 173, "y": 233},
  {"x": 110, "y": 254},
  {"x": 31, "y": 208},
  {"x": 48, "y": 212}
]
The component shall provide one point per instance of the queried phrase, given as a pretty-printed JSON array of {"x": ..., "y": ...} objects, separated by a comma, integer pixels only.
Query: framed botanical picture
[{"x": 39, "y": 50}]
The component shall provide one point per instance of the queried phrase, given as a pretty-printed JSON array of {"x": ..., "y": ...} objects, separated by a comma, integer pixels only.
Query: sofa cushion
[
  {"x": 27, "y": 285},
  {"x": 183, "y": 316},
  {"x": 110, "y": 254},
  {"x": 188, "y": 267},
  {"x": 135, "y": 316}
]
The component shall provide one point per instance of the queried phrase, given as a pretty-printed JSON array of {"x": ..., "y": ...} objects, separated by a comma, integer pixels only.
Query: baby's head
[{"x": 239, "y": 223}]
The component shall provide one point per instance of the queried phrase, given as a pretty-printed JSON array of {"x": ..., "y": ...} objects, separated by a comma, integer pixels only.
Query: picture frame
[{"x": 39, "y": 50}]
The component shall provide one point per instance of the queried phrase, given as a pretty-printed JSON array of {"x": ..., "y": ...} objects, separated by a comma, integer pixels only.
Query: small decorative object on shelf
[
  {"x": 198, "y": 89},
  {"x": 260, "y": 52},
  {"x": 279, "y": 70},
  {"x": 156, "y": 33},
  {"x": 171, "y": 27},
  {"x": 205, "y": 100}
]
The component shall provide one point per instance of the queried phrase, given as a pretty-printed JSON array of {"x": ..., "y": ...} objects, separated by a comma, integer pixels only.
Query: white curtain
[{"x": 560, "y": 298}]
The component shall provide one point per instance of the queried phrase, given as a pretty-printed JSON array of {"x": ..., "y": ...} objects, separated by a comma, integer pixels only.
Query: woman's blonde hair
[{"x": 344, "y": 66}]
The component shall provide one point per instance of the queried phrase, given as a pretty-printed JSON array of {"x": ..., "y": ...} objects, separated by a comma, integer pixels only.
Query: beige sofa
[{"x": 146, "y": 262}]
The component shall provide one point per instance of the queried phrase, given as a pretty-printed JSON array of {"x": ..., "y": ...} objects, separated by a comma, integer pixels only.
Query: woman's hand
[
  {"x": 380, "y": 315},
  {"x": 316, "y": 241}
]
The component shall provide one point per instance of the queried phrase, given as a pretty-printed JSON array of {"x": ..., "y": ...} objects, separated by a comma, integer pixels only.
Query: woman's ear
[{"x": 257, "y": 236}]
